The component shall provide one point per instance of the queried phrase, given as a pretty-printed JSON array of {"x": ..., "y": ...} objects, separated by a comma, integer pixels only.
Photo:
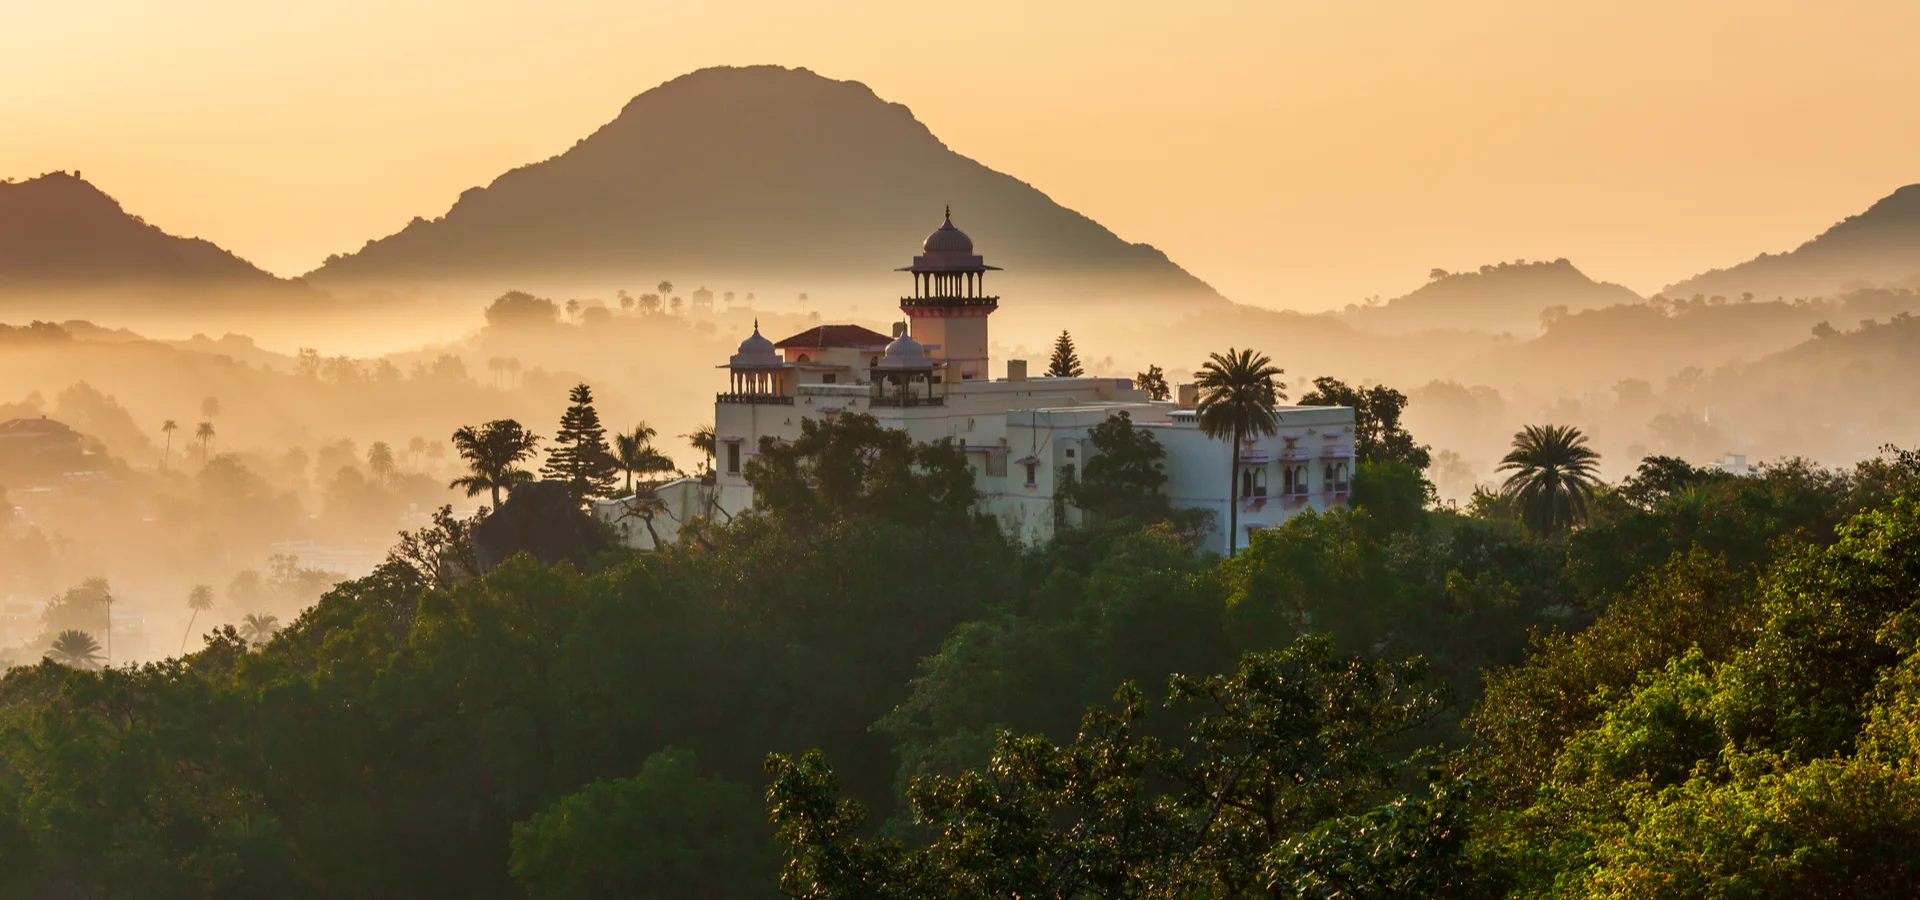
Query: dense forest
[{"x": 1687, "y": 684}]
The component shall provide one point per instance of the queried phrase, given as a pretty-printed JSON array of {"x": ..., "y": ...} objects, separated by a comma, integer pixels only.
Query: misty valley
[{"x": 642, "y": 527}]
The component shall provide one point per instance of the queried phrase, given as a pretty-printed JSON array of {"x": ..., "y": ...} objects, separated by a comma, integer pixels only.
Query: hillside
[
  {"x": 1508, "y": 297},
  {"x": 1877, "y": 246},
  {"x": 58, "y": 231},
  {"x": 759, "y": 170}
]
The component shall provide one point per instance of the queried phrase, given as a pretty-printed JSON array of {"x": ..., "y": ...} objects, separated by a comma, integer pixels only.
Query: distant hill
[
  {"x": 60, "y": 232},
  {"x": 758, "y": 170},
  {"x": 1507, "y": 297},
  {"x": 1878, "y": 246}
]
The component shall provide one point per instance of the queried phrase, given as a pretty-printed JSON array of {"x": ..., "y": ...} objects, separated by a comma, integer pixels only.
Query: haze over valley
[{"x": 773, "y": 438}]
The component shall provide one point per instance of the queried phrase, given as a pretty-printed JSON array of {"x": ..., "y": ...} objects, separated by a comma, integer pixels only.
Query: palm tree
[
  {"x": 169, "y": 427},
  {"x": 703, "y": 442},
  {"x": 1237, "y": 397},
  {"x": 75, "y": 649},
  {"x": 1554, "y": 474},
  {"x": 493, "y": 453},
  {"x": 204, "y": 431},
  {"x": 199, "y": 599},
  {"x": 414, "y": 448},
  {"x": 666, "y": 288},
  {"x": 573, "y": 309},
  {"x": 381, "y": 462},
  {"x": 258, "y": 628},
  {"x": 633, "y": 453}
]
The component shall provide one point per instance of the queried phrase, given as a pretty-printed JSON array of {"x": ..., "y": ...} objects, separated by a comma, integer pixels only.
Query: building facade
[{"x": 1024, "y": 436}]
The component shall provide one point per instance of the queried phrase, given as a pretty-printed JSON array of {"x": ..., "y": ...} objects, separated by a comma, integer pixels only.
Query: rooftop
[{"x": 821, "y": 336}]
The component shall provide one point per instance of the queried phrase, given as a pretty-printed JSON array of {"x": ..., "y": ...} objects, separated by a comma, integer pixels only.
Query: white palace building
[{"x": 1022, "y": 434}]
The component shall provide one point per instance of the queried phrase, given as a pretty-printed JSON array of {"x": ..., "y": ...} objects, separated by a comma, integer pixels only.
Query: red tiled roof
[{"x": 835, "y": 336}]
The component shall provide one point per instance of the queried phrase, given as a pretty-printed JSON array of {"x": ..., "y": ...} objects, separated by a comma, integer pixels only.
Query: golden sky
[{"x": 1295, "y": 154}]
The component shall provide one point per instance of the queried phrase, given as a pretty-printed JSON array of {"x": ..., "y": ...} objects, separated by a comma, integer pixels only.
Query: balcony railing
[
  {"x": 767, "y": 399},
  {"x": 912, "y": 302},
  {"x": 1295, "y": 454}
]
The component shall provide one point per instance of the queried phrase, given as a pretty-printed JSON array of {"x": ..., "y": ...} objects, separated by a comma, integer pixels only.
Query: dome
[
  {"x": 755, "y": 352},
  {"x": 906, "y": 353},
  {"x": 948, "y": 240}
]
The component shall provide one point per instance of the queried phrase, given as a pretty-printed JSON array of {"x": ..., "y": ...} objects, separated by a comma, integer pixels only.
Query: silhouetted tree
[
  {"x": 633, "y": 453},
  {"x": 580, "y": 456},
  {"x": 1154, "y": 382},
  {"x": 204, "y": 431},
  {"x": 199, "y": 599},
  {"x": 1377, "y": 434},
  {"x": 380, "y": 461},
  {"x": 168, "y": 427},
  {"x": 258, "y": 628},
  {"x": 493, "y": 453},
  {"x": 1237, "y": 398},
  {"x": 1065, "y": 362},
  {"x": 75, "y": 649}
]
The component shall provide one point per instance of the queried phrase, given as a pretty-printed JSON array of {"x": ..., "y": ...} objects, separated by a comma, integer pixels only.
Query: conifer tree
[
  {"x": 1065, "y": 363},
  {"x": 580, "y": 456}
]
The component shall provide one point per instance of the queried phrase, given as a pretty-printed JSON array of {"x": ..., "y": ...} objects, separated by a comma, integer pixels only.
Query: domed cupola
[
  {"x": 948, "y": 240},
  {"x": 905, "y": 353},
  {"x": 755, "y": 352}
]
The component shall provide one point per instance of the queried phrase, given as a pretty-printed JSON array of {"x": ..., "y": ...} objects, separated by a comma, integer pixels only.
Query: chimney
[
  {"x": 1016, "y": 370},
  {"x": 1189, "y": 395}
]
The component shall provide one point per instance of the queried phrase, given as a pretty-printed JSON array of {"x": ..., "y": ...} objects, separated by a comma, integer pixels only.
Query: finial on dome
[
  {"x": 756, "y": 324},
  {"x": 949, "y": 213}
]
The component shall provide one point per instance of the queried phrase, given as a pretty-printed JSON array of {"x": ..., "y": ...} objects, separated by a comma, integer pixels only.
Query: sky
[{"x": 1295, "y": 154}]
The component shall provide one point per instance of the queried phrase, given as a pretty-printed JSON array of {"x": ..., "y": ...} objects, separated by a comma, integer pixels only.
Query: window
[
  {"x": 1253, "y": 484},
  {"x": 1340, "y": 477},
  {"x": 1069, "y": 452},
  {"x": 804, "y": 358},
  {"x": 1300, "y": 480},
  {"x": 1260, "y": 483},
  {"x": 1033, "y": 474},
  {"x": 1246, "y": 483},
  {"x": 1286, "y": 480},
  {"x": 1326, "y": 480},
  {"x": 733, "y": 458},
  {"x": 829, "y": 378},
  {"x": 996, "y": 465}
]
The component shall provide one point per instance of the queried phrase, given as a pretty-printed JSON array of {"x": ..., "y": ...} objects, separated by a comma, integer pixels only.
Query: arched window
[
  {"x": 1327, "y": 477},
  {"x": 1286, "y": 480},
  {"x": 1260, "y": 483},
  {"x": 1340, "y": 477},
  {"x": 804, "y": 358},
  {"x": 1246, "y": 483},
  {"x": 1300, "y": 480}
]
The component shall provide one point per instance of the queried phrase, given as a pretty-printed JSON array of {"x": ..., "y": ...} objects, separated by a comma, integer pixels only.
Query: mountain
[
  {"x": 752, "y": 171},
  {"x": 1507, "y": 297},
  {"x": 1877, "y": 246},
  {"x": 60, "y": 232}
]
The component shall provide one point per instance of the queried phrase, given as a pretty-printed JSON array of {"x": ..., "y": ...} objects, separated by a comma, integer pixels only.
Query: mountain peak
[
  {"x": 759, "y": 171},
  {"x": 57, "y": 229},
  {"x": 1877, "y": 246},
  {"x": 1498, "y": 297}
]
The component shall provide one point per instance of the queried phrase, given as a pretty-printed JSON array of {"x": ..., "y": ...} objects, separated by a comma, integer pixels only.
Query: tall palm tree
[
  {"x": 204, "y": 431},
  {"x": 169, "y": 427},
  {"x": 666, "y": 288},
  {"x": 414, "y": 448},
  {"x": 633, "y": 453},
  {"x": 493, "y": 453},
  {"x": 75, "y": 649},
  {"x": 1554, "y": 474},
  {"x": 258, "y": 628},
  {"x": 199, "y": 599},
  {"x": 1237, "y": 398},
  {"x": 106, "y": 599}
]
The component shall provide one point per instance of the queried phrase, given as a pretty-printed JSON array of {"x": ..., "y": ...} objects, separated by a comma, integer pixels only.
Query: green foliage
[
  {"x": 1393, "y": 492},
  {"x": 850, "y": 466},
  {"x": 1123, "y": 476},
  {"x": 1290, "y": 739},
  {"x": 580, "y": 455},
  {"x": 1065, "y": 362},
  {"x": 666, "y": 832},
  {"x": 1377, "y": 434}
]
